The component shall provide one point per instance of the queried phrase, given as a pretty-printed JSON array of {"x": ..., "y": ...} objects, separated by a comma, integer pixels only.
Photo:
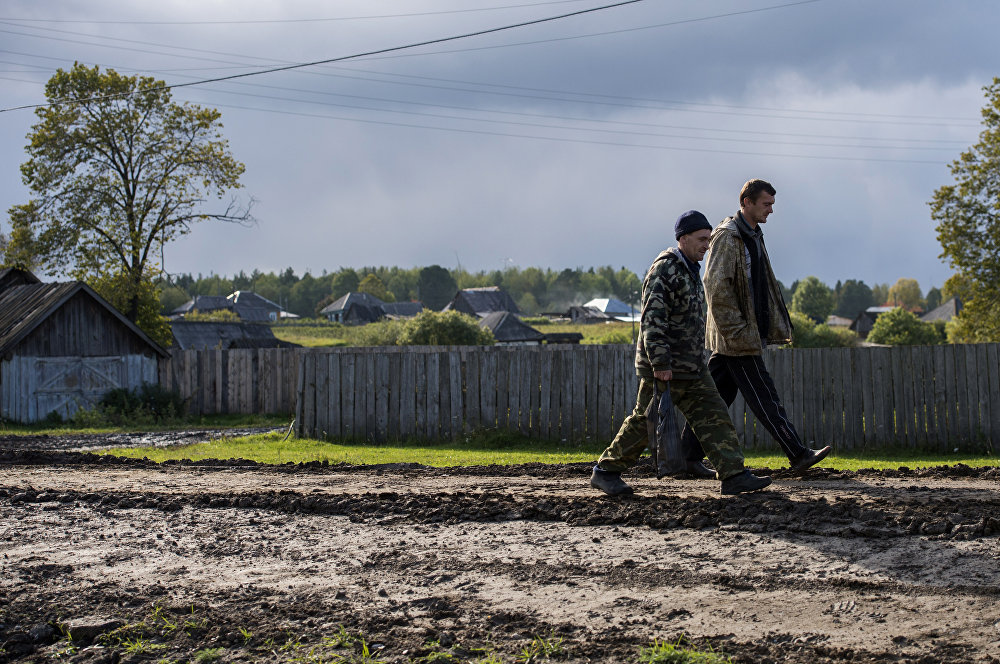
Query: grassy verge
[{"x": 487, "y": 449}]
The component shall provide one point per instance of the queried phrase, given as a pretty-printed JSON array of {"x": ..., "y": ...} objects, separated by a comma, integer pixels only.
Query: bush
[
  {"x": 806, "y": 333},
  {"x": 149, "y": 404},
  {"x": 901, "y": 328},
  {"x": 379, "y": 333},
  {"x": 444, "y": 328}
]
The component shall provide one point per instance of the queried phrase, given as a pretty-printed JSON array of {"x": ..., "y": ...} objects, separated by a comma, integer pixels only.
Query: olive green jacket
[
  {"x": 672, "y": 325},
  {"x": 731, "y": 328}
]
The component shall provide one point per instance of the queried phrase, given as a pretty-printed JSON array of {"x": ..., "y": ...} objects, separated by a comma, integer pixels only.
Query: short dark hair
[{"x": 753, "y": 189}]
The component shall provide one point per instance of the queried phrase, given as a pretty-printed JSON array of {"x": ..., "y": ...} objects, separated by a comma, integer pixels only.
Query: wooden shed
[{"x": 63, "y": 346}]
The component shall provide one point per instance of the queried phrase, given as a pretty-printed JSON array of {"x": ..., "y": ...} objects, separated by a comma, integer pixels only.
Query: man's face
[
  {"x": 694, "y": 245},
  {"x": 755, "y": 212}
]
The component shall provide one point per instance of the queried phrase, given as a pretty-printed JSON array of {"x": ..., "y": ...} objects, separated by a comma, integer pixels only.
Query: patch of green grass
[
  {"x": 887, "y": 460},
  {"x": 208, "y": 655},
  {"x": 666, "y": 652},
  {"x": 540, "y": 648},
  {"x": 271, "y": 449},
  {"x": 486, "y": 448}
]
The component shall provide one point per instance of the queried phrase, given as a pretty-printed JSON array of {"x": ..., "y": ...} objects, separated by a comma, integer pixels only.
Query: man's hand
[{"x": 663, "y": 375}]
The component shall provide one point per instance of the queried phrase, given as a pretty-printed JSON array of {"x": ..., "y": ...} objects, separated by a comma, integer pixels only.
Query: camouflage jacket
[
  {"x": 731, "y": 328},
  {"x": 672, "y": 328}
]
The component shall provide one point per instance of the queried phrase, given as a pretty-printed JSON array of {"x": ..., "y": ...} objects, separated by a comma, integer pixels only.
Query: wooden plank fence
[{"x": 931, "y": 397}]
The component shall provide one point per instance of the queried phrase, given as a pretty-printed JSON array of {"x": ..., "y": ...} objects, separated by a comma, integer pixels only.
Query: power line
[
  {"x": 587, "y": 142},
  {"x": 391, "y": 49},
  {"x": 293, "y": 20}
]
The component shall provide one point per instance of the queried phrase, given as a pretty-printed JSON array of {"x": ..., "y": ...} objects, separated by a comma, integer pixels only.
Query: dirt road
[{"x": 234, "y": 561}]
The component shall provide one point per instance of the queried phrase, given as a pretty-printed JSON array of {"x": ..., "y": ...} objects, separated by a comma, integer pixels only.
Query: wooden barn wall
[
  {"x": 33, "y": 387},
  {"x": 81, "y": 328}
]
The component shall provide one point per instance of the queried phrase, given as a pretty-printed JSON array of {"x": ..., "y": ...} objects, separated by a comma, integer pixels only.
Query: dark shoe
[
  {"x": 610, "y": 483},
  {"x": 695, "y": 470},
  {"x": 745, "y": 482},
  {"x": 809, "y": 458}
]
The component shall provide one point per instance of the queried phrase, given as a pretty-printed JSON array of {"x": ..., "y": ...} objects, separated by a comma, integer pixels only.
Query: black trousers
[{"x": 747, "y": 375}]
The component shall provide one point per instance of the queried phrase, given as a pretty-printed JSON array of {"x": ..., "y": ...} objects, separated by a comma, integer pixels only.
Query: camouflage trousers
[{"x": 699, "y": 401}]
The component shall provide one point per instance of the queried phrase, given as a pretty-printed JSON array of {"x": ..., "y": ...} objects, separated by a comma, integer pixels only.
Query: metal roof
[{"x": 506, "y": 327}]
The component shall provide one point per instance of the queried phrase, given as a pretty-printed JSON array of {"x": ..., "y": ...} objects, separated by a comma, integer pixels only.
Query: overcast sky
[{"x": 570, "y": 143}]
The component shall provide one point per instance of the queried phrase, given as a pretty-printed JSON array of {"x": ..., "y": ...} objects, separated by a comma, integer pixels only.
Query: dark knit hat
[{"x": 689, "y": 222}]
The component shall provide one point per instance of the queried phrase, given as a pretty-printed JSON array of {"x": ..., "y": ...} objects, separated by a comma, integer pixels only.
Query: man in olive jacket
[
  {"x": 671, "y": 351},
  {"x": 746, "y": 312}
]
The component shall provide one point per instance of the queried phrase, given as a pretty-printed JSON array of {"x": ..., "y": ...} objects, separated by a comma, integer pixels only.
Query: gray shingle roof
[
  {"x": 507, "y": 327},
  {"x": 482, "y": 301},
  {"x": 204, "y": 335}
]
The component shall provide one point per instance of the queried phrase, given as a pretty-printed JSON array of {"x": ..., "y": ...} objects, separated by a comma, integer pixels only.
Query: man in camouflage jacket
[
  {"x": 746, "y": 312},
  {"x": 671, "y": 351}
]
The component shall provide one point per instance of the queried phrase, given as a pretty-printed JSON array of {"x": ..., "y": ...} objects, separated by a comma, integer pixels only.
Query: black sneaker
[
  {"x": 809, "y": 458},
  {"x": 610, "y": 483},
  {"x": 745, "y": 482},
  {"x": 696, "y": 470}
]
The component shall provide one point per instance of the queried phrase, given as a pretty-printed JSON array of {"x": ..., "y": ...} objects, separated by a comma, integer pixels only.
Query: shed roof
[
  {"x": 507, "y": 327},
  {"x": 482, "y": 301},
  {"x": 203, "y": 335},
  {"x": 946, "y": 311},
  {"x": 25, "y": 307}
]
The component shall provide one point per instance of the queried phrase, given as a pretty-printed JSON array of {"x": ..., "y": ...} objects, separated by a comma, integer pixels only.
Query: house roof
[
  {"x": 25, "y": 307},
  {"x": 352, "y": 299},
  {"x": 202, "y": 335},
  {"x": 482, "y": 301},
  {"x": 249, "y": 306},
  {"x": 946, "y": 311},
  {"x": 204, "y": 303},
  {"x": 507, "y": 327},
  {"x": 610, "y": 305}
]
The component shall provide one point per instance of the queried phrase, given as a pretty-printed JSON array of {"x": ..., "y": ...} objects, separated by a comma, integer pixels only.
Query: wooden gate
[{"x": 33, "y": 387}]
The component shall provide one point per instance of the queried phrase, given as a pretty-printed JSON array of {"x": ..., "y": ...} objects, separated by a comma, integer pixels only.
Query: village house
[
  {"x": 480, "y": 302},
  {"x": 361, "y": 308}
]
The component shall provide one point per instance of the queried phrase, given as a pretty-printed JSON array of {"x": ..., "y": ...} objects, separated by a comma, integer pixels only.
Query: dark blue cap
[{"x": 689, "y": 222}]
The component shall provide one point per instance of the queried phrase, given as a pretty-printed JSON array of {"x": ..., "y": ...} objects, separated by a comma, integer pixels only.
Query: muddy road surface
[{"x": 112, "y": 560}]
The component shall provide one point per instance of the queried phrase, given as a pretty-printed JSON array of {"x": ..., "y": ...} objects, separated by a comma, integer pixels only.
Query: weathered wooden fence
[
  {"x": 243, "y": 381},
  {"x": 922, "y": 396}
]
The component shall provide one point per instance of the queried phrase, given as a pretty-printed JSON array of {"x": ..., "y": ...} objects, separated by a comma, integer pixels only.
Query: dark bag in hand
[{"x": 664, "y": 439}]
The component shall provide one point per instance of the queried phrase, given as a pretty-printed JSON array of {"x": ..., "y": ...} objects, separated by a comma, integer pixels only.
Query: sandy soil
[{"x": 235, "y": 561}]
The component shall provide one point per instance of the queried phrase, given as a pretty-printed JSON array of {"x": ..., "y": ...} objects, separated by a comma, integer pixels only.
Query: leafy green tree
[
  {"x": 344, "y": 282},
  {"x": 116, "y": 289},
  {"x": 813, "y": 298},
  {"x": 117, "y": 170},
  {"x": 436, "y": 287},
  {"x": 900, "y": 327},
  {"x": 880, "y": 293},
  {"x": 968, "y": 224},
  {"x": 855, "y": 296},
  {"x": 806, "y": 333},
  {"x": 444, "y": 328},
  {"x": 906, "y": 293},
  {"x": 933, "y": 298},
  {"x": 374, "y": 287},
  {"x": 305, "y": 294},
  {"x": 171, "y": 297}
]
